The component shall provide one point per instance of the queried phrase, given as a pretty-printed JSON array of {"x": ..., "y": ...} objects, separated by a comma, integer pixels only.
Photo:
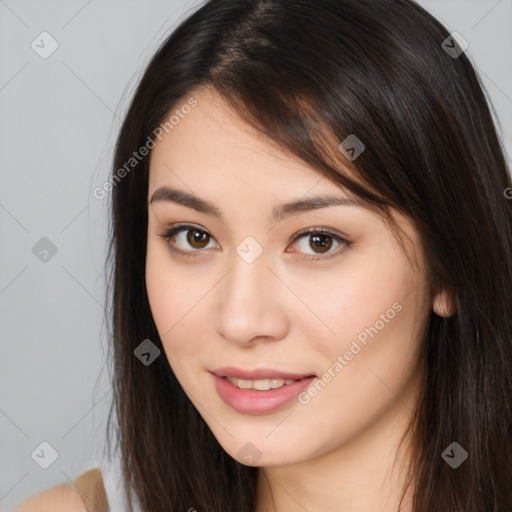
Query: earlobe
[{"x": 444, "y": 303}]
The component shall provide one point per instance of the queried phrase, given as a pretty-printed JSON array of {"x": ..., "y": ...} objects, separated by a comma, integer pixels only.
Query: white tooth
[
  {"x": 261, "y": 385},
  {"x": 276, "y": 383},
  {"x": 244, "y": 384},
  {"x": 233, "y": 380}
]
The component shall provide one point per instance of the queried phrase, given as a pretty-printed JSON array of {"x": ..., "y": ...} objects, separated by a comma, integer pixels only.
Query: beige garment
[{"x": 92, "y": 490}]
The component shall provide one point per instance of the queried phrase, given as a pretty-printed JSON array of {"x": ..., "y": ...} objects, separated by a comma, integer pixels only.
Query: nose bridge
[{"x": 248, "y": 303}]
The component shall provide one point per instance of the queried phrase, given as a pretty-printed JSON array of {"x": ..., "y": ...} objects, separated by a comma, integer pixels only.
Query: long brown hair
[{"x": 308, "y": 74}]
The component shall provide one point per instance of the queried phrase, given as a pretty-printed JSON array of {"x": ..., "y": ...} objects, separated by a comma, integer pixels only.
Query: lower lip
[{"x": 251, "y": 401}]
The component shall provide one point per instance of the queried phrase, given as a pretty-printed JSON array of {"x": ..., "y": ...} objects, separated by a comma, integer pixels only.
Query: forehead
[{"x": 212, "y": 144}]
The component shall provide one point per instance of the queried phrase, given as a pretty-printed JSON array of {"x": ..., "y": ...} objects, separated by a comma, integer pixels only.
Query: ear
[{"x": 444, "y": 302}]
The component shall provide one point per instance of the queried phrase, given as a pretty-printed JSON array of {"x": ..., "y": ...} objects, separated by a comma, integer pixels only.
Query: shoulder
[
  {"x": 62, "y": 498},
  {"x": 87, "y": 492}
]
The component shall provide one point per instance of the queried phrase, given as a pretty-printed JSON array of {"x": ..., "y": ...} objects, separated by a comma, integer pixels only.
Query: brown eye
[
  {"x": 197, "y": 239},
  {"x": 321, "y": 242},
  {"x": 186, "y": 240}
]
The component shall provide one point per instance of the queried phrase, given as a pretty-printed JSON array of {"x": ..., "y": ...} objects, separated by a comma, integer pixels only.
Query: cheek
[
  {"x": 378, "y": 338},
  {"x": 176, "y": 307},
  {"x": 367, "y": 292},
  {"x": 378, "y": 315},
  {"x": 166, "y": 294},
  {"x": 162, "y": 297}
]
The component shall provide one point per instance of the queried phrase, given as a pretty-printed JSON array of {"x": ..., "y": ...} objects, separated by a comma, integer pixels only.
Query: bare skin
[{"x": 282, "y": 311}]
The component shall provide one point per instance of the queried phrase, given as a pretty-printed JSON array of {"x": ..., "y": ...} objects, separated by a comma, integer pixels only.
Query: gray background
[{"x": 59, "y": 117}]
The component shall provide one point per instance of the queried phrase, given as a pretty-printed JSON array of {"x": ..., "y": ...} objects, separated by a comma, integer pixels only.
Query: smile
[{"x": 259, "y": 396}]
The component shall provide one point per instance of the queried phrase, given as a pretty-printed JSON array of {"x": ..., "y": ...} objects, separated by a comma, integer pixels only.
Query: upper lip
[{"x": 257, "y": 374}]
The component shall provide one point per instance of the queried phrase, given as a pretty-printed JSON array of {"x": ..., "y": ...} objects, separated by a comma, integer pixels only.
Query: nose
[{"x": 251, "y": 305}]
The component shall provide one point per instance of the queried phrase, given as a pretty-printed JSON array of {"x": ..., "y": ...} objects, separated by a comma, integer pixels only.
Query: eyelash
[{"x": 171, "y": 232}]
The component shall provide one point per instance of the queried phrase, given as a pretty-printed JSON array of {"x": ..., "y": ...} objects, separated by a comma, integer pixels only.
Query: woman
[{"x": 311, "y": 268}]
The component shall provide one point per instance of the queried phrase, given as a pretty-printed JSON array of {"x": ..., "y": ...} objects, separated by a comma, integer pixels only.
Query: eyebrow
[{"x": 280, "y": 212}]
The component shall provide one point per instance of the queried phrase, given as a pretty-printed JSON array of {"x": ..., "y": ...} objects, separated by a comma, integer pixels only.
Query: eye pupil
[
  {"x": 320, "y": 239},
  {"x": 196, "y": 236}
]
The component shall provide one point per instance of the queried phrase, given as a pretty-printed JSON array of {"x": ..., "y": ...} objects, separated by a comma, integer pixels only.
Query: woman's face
[{"x": 246, "y": 294}]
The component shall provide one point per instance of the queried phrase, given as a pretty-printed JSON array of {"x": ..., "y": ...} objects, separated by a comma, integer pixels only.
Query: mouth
[{"x": 259, "y": 391}]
